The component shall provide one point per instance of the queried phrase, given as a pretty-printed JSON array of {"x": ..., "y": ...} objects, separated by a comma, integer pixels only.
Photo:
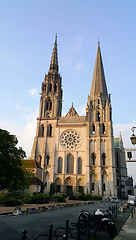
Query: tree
[
  {"x": 52, "y": 189},
  {"x": 11, "y": 173}
]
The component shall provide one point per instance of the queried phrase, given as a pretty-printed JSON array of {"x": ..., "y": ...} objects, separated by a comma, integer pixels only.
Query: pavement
[{"x": 127, "y": 229}]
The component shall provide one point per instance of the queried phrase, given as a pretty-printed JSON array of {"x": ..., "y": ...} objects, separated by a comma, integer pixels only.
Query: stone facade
[{"x": 75, "y": 151}]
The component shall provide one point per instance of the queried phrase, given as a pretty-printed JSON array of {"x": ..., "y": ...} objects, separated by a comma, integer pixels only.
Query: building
[
  {"x": 124, "y": 184},
  {"x": 73, "y": 151},
  {"x": 35, "y": 184}
]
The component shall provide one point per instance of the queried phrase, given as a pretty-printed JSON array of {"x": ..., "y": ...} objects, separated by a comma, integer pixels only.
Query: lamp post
[{"x": 133, "y": 136}]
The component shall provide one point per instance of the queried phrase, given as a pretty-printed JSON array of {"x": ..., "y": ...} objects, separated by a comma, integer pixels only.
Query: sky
[{"x": 27, "y": 35}]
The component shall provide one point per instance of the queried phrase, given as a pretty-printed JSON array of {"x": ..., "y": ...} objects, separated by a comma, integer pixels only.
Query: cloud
[
  {"x": 33, "y": 92},
  {"x": 24, "y": 133}
]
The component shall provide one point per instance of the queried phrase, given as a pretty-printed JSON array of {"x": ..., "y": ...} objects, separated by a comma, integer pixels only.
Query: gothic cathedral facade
[{"x": 75, "y": 151}]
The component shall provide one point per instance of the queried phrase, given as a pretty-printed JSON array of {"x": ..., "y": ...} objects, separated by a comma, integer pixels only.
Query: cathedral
[{"x": 75, "y": 151}]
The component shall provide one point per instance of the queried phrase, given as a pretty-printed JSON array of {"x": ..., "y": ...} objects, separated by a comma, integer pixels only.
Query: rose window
[{"x": 70, "y": 139}]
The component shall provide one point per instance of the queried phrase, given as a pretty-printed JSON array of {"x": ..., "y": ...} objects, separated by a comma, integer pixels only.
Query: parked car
[
  {"x": 114, "y": 200},
  {"x": 131, "y": 200}
]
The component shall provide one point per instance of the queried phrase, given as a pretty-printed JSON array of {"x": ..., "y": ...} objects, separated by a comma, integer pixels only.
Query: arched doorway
[
  {"x": 58, "y": 184},
  {"x": 69, "y": 184}
]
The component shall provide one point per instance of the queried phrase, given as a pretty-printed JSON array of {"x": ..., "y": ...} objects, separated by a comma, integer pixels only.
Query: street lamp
[{"x": 133, "y": 137}]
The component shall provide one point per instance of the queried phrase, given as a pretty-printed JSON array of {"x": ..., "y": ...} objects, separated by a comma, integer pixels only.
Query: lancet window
[
  {"x": 103, "y": 159},
  {"x": 79, "y": 165},
  {"x": 47, "y": 160},
  {"x": 59, "y": 165},
  {"x": 49, "y": 130},
  {"x": 93, "y": 157},
  {"x": 70, "y": 164}
]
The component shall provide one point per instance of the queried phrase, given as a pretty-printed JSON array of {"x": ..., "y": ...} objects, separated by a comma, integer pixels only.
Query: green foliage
[
  {"x": 11, "y": 173},
  {"x": 10, "y": 199},
  {"x": 97, "y": 198},
  {"x": 36, "y": 198},
  {"x": 52, "y": 189},
  {"x": 81, "y": 190},
  {"x": 59, "y": 197},
  {"x": 84, "y": 197},
  {"x": 73, "y": 197}
]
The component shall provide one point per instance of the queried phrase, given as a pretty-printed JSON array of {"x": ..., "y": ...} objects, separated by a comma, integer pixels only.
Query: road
[{"x": 11, "y": 226}]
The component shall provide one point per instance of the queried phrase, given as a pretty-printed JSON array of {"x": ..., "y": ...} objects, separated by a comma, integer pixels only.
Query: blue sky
[{"x": 27, "y": 34}]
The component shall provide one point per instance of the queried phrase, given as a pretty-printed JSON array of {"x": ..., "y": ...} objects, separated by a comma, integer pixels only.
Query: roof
[
  {"x": 28, "y": 163},
  {"x": 35, "y": 181},
  {"x": 98, "y": 83},
  {"x": 116, "y": 142},
  {"x": 72, "y": 112}
]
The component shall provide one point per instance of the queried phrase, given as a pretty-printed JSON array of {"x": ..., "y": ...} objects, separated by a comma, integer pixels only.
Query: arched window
[
  {"x": 93, "y": 129},
  {"x": 98, "y": 116},
  {"x": 93, "y": 181},
  {"x": 39, "y": 161},
  {"x": 48, "y": 105},
  {"x": 45, "y": 87},
  {"x": 47, "y": 160},
  {"x": 79, "y": 165},
  {"x": 103, "y": 128},
  {"x": 110, "y": 115},
  {"x": 60, "y": 165},
  {"x": 42, "y": 130},
  {"x": 49, "y": 130},
  {"x": 70, "y": 164},
  {"x": 55, "y": 87},
  {"x": 103, "y": 159},
  {"x": 104, "y": 187},
  {"x": 50, "y": 87},
  {"x": 93, "y": 158}
]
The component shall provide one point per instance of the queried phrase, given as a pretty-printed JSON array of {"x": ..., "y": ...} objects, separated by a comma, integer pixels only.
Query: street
[{"x": 11, "y": 226}]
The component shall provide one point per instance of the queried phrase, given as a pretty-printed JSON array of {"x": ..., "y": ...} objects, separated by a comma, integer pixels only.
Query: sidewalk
[
  {"x": 128, "y": 231},
  {"x": 4, "y": 210}
]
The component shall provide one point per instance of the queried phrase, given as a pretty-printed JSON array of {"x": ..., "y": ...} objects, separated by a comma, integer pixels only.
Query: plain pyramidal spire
[
  {"x": 98, "y": 87},
  {"x": 54, "y": 59}
]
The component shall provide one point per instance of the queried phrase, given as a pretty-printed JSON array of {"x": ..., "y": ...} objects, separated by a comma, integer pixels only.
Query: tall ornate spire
[
  {"x": 54, "y": 59},
  {"x": 98, "y": 83}
]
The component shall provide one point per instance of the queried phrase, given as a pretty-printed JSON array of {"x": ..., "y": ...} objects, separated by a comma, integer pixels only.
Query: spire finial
[
  {"x": 54, "y": 59},
  {"x": 72, "y": 104},
  {"x": 56, "y": 37}
]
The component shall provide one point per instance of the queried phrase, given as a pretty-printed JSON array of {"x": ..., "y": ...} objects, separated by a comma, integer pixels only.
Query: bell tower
[
  {"x": 51, "y": 90},
  {"x": 99, "y": 115}
]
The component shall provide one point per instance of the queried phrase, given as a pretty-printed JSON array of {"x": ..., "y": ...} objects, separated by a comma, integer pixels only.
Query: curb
[{"x": 44, "y": 208}]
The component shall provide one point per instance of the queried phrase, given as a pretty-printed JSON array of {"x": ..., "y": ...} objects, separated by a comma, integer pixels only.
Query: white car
[
  {"x": 131, "y": 200},
  {"x": 114, "y": 200}
]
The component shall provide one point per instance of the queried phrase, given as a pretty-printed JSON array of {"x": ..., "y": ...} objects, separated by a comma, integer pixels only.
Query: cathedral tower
[
  {"x": 99, "y": 114},
  {"x": 51, "y": 96}
]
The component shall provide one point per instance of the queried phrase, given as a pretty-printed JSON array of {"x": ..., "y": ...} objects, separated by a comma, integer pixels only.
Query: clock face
[{"x": 70, "y": 139}]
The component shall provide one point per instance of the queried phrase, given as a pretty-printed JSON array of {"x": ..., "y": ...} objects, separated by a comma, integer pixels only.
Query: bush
[
  {"x": 10, "y": 199},
  {"x": 11, "y": 202},
  {"x": 97, "y": 197},
  {"x": 52, "y": 189},
  {"x": 36, "y": 198},
  {"x": 73, "y": 197},
  {"x": 59, "y": 197}
]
